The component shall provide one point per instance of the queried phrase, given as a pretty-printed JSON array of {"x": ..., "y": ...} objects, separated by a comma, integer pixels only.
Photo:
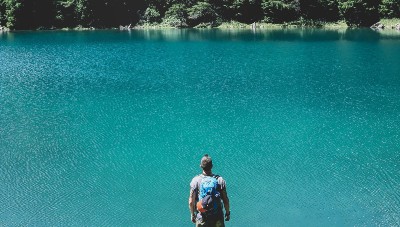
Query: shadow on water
[
  {"x": 244, "y": 35},
  {"x": 265, "y": 35}
]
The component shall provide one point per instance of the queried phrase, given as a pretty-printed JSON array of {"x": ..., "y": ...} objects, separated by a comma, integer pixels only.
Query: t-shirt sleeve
[
  {"x": 193, "y": 184},
  {"x": 222, "y": 183}
]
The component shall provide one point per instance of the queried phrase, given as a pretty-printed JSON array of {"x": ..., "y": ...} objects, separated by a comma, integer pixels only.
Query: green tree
[
  {"x": 202, "y": 12},
  {"x": 176, "y": 16},
  {"x": 65, "y": 13},
  {"x": 224, "y": 8},
  {"x": 360, "y": 13},
  {"x": 279, "y": 11},
  {"x": 8, "y": 15},
  {"x": 390, "y": 9},
  {"x": 160, "y": 5},
  {"x": 81, "y": 12},
  {"x": 152, "y": 15},
  {"x": 28, "y": 14}
]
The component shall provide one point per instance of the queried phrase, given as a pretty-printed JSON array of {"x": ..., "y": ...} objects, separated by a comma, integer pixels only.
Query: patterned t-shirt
[{"x": 195, "y": 185}]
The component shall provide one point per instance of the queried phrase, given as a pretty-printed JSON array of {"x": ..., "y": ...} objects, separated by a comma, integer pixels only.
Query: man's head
[{"x": 206, "y": 163}]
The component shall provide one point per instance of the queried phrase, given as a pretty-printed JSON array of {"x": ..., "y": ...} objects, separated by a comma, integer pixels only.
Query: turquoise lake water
[{"x": 107, "y": 128}]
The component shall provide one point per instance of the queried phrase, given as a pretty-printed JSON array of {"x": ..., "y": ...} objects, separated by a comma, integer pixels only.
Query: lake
[{"x": 107, "y": 128}]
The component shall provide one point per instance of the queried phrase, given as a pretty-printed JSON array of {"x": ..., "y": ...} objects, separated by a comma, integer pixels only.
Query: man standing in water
[{"x": 206, "y": 192}]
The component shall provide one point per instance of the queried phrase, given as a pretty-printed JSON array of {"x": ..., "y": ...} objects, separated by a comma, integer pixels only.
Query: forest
[{"x": 52, "y": 14}]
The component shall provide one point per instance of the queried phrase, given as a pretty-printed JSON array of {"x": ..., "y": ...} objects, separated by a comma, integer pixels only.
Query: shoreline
[{"x": 389, "y": 24}]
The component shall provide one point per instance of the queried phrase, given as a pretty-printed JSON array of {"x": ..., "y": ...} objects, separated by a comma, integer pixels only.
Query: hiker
[{"x": 206, "y": 192}]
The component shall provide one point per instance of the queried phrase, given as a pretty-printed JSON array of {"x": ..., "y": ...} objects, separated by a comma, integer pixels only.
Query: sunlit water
[{"x": 107, "y": 128}]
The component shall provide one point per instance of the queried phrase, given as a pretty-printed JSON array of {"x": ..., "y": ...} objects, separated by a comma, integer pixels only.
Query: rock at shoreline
[
  {"x": 253, "y": 26},
  {"x": 81, "y": 28},
  {"x": 378, "y": 25},
  {"x": 128, "y": 27},
  {"x": 397, "y": 27},
  {"x": 4, "y": 29}
]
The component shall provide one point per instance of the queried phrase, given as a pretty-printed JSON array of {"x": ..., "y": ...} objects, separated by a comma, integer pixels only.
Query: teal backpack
[{"x": 209, "y": 196}]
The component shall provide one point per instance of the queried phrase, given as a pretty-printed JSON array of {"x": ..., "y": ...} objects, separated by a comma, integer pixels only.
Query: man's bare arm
[
  {"x": 225, "y": 200},
  {"x": 192, "y": 200}
]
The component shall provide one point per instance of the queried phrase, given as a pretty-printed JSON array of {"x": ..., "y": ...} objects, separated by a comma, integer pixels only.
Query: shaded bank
[{"x": 51, "y": 14}]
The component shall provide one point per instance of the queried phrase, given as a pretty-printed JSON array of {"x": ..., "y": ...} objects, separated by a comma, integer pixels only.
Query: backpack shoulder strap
[{"x": 219, "y": 186}]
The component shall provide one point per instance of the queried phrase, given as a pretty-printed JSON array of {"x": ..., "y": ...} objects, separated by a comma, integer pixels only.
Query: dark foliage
[
  {"x": 281, "y": 11},
  {"x": 201, "y": 12},
  {"x": 325, "y": 10},
  {"x": 247, "y": 11},
  {"x": 360, "y": 12},
  {"x": 390, "y": 9},
  {"x": 34, "y": 14}
]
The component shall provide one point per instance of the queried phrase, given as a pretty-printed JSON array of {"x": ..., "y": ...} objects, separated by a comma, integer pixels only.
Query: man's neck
[{"x": 208, "y": 173}]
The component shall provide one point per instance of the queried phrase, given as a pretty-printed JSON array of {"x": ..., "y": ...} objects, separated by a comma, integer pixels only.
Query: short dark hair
[{"x": 206, "y": 163}]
